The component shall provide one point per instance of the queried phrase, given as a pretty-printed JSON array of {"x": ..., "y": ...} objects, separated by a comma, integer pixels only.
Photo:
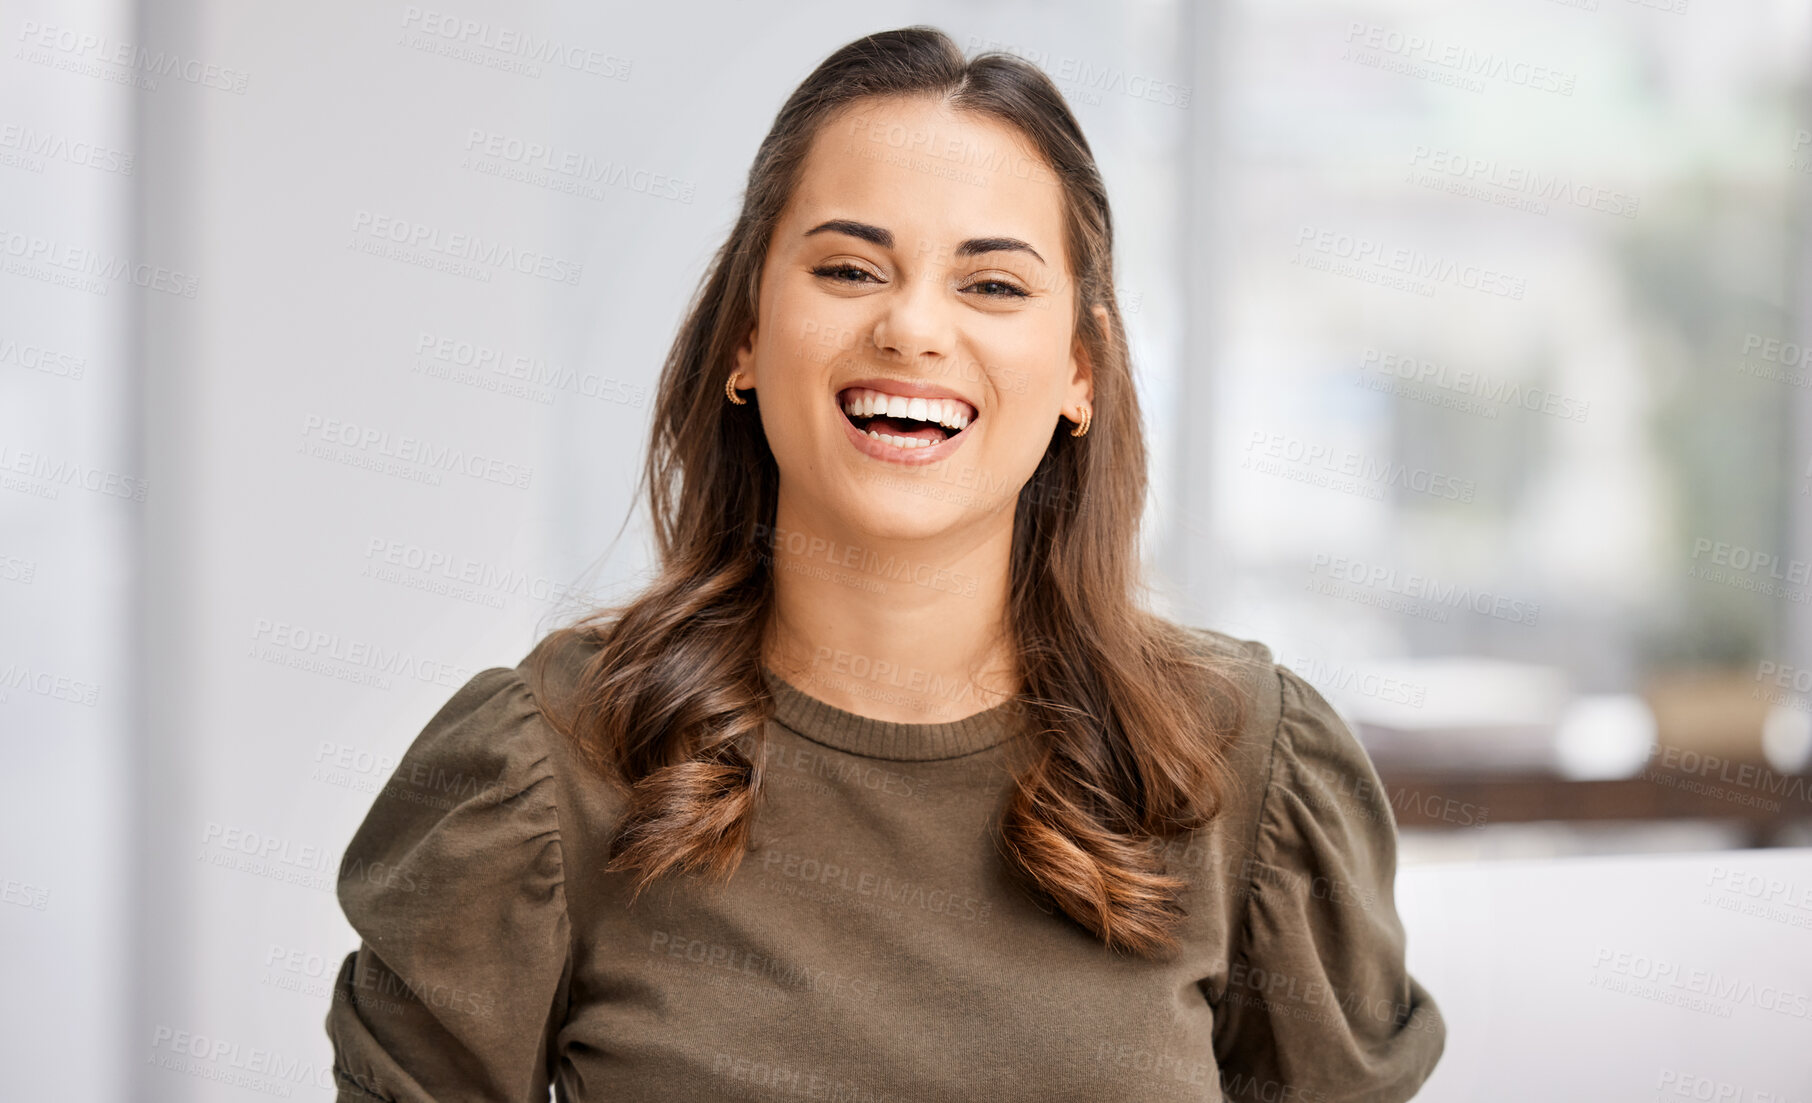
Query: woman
[{"x": 887, "y": 788}]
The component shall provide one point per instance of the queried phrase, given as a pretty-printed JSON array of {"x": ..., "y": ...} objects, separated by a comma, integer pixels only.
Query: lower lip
[{"x": 893, "y": 453}]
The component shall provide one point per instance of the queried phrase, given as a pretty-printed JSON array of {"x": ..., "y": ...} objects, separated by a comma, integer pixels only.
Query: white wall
[{"x": 70, "y": 509}]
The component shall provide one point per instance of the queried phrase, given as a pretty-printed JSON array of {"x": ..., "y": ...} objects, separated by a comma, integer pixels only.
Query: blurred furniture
[{"x": 1764, "y": 803}]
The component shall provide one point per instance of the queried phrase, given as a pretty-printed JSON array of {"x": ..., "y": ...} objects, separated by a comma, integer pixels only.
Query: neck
[{"x": 912, "y": 631}]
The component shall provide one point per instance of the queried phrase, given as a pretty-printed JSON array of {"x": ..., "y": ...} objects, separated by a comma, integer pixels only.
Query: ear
[
  {"x": 1082, "y": 369},
  {"x": 745, "y": 359}
]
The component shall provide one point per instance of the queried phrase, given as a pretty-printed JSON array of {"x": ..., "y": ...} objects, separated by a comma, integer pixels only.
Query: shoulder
[
  {"x": 485, "y": 743},
  {"x": 1298, "y": 767},
  {"x": 479, "y": 794},
  {"x": 1249, "y": 663},
  {"x": 1307, "y": 797},
  {"x": 1247, "y": 679},
  {"x": 1286, "y": 715}
]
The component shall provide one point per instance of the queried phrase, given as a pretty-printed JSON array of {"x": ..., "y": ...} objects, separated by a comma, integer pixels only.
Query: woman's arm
[
  {"x": 1318, "y": 1000},
  {"x": 455, "y": 885}
]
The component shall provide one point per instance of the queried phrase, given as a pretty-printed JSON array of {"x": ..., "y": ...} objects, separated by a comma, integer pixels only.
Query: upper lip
[{"x": 908, "y": 388}]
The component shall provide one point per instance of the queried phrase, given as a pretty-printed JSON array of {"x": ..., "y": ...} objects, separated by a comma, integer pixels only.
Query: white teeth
[
  {"x": 948, "y": 412},
  {"x": 902, "y": 442}
]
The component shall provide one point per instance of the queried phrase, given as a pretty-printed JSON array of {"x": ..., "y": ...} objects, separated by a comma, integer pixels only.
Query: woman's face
[{"x": 915, "y": 342}]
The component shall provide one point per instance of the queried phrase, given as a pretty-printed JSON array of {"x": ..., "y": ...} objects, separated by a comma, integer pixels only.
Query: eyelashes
[
  {"x": 1012, "y": 291},
  {"x": 842, "y": 272},
  {"x": 849, "y": 273}
]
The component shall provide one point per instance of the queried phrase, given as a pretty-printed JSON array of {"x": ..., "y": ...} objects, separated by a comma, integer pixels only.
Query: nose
[{"x": 915, "y": 320}]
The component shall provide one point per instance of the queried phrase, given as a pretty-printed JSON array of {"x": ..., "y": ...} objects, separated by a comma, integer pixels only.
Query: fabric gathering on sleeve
[
  {"x": 455, "y": 885},
  {"x": 1319, "y": 1005}
]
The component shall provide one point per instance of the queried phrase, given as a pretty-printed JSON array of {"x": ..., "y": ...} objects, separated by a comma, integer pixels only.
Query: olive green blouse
[{"x": 872, "y": 946}]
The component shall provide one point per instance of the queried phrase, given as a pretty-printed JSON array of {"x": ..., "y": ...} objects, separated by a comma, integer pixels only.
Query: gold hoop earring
[
  {"x": 730, "y": 391},
  {"x": 1088, "y": 415}
]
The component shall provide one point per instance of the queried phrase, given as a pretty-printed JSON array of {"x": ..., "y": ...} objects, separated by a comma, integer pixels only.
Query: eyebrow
[{"x": 876, "y": 235}]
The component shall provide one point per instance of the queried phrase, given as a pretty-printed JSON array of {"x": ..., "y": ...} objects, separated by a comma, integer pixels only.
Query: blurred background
[{"x": 1474, "y": 357}]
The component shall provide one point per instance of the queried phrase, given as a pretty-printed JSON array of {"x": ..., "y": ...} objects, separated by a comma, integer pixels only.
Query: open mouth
[{"x": 905, "y": 422}]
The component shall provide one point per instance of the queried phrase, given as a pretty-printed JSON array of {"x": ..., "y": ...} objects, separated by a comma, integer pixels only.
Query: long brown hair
[{"x": 1130, "y": 714}]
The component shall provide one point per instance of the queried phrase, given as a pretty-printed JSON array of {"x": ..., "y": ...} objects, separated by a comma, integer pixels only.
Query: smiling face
[{"x": 915, "y": 340}]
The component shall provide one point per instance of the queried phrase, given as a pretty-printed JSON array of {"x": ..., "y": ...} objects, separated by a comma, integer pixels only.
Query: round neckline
[{"x": 823, "y": 722}]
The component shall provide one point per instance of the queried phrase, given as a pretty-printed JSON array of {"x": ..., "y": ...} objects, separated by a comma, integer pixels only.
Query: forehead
[{"x": 932, "y": 175}]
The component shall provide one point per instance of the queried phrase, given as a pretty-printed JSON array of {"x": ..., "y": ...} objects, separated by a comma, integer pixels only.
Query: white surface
[{"x": 1525, "y": 960}]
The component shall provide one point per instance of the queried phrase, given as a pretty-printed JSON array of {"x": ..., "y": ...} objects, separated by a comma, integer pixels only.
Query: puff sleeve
[
  {"x": 1318, "y": 1001},
  {"x": 455, "y": 886}
]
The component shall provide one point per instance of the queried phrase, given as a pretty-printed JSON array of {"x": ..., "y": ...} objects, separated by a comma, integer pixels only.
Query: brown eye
[
  {"x": 1004, "y": 290},
  {"x": 848, "y": 273}
]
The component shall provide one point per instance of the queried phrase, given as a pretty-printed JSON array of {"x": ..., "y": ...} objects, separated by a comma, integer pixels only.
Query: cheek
[
  {"x": 1029, "y": 367},
  {"x": 1021, "y": 429},
  {"x": 812, "y": 330}
]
